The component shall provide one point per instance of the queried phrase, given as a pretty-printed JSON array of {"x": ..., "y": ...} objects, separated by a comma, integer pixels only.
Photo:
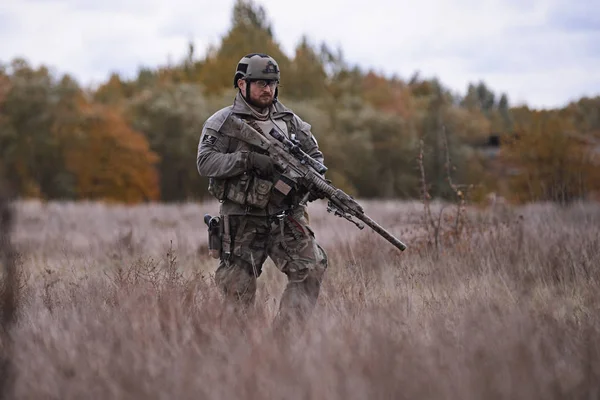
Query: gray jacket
[{"x": 221, "y": 156}]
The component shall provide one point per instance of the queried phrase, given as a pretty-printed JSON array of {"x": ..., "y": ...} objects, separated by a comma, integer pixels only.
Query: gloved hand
[
  {"x": 315, "y": 196},
  {"x": 261, "y": 163}
]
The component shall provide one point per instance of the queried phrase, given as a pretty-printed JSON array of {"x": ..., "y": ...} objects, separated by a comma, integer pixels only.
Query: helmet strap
[{"x": 248, "y": 91}]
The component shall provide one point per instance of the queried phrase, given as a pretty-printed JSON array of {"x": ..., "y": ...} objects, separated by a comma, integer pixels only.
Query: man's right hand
[{"x": 262, "y": 164}]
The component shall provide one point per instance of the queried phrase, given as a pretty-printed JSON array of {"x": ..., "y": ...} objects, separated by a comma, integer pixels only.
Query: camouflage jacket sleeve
[
  {"x": 213, "y": 159},
  {"x": 308, "y": 142}
]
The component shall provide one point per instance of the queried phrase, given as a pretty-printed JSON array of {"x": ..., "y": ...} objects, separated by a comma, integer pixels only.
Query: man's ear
[{"x": 242, "y": 85}]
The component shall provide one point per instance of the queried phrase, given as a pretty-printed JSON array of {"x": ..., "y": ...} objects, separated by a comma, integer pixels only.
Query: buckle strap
[{"x": 226, "y": 237}]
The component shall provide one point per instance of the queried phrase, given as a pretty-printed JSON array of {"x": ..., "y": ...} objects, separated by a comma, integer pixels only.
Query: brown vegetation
[{"x": 118, "y": 302}]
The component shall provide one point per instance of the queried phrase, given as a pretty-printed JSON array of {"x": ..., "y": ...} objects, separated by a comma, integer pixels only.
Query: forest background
[{"x": 135, "y": 140}]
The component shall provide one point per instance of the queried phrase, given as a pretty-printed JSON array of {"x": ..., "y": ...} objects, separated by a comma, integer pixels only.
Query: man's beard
[{"x": 261, "y": 104}]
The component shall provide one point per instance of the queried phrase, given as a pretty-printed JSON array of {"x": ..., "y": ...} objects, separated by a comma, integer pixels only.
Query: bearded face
[{"x": 262, "y": 92}]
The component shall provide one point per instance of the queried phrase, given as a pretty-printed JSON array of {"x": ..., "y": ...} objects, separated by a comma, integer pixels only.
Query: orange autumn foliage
[
  {"x": 387, "y": 95},
  {"x": 551, "y": 162},
  {"x": 111, "y": 161}
]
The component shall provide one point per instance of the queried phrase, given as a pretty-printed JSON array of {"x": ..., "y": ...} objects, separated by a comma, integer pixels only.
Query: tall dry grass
[{"x": 118, "y": 302}]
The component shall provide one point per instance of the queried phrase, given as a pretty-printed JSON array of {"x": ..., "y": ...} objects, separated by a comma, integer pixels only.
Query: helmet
[{"x": 256, "y": 66}]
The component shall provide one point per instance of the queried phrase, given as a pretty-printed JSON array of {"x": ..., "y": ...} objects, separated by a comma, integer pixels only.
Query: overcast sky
[{"x": 543, "y": 53}]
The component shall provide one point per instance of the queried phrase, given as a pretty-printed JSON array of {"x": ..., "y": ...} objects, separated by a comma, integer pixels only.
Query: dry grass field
[{"x": 117, "y": 303}]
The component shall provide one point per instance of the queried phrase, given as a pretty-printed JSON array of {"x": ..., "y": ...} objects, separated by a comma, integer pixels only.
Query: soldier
[{"x": 254, "y": 225}]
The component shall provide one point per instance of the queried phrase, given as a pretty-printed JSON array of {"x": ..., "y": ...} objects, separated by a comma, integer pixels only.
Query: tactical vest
[{"x": 248, "y": 193}]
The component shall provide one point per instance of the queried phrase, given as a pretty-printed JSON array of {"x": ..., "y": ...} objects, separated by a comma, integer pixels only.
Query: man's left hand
[{"x": 315, "y": 196}]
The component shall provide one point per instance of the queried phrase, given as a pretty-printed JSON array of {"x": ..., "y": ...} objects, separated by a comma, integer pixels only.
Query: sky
[{"x": 540, "y": 53}]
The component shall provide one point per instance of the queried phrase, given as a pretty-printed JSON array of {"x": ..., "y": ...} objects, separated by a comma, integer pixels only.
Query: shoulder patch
[{"x": 209, "y": 139}]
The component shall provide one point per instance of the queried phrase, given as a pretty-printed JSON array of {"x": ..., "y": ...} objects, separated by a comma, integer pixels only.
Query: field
[{"x": 118, "y": 302}]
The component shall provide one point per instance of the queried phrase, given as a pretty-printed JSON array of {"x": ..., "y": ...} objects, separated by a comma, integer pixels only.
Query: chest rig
[{"x": 247, "y": 189}]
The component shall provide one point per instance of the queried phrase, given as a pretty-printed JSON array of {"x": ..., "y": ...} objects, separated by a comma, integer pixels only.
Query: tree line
[{"x": 135, "y": 140}]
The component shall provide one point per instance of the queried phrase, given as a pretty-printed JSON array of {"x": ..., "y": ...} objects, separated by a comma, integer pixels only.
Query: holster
[{"x": 215, "y": 236}]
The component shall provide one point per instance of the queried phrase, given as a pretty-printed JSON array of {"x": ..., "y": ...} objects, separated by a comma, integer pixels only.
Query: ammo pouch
[{"x": 245, "y": 190}]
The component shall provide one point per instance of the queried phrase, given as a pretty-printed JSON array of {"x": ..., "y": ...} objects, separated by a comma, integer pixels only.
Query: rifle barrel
[{"x": 380, "y": 230}]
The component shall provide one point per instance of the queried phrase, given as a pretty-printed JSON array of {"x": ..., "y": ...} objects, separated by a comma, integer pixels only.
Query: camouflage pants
[{"x": 293, "y": 250}]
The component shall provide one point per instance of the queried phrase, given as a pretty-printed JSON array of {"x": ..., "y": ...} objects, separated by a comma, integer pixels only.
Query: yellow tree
[
  {"x": 388, "y": 95},
  {"x": 250, "y": 33},
  {"x": 549, "y": 160},
  {"x": 306, "y": 78},
  {"x": 111, "y": 161},
  {"x": 113, "y": 91}
]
